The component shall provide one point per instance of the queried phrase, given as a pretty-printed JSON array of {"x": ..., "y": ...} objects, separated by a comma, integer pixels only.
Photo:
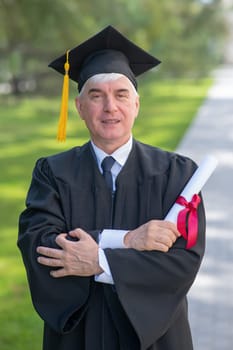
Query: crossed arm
[{"x": 80, "y": 258}]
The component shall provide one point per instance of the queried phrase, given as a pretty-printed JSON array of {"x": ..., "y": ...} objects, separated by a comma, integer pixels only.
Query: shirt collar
[{"x": 120, "y": 155}]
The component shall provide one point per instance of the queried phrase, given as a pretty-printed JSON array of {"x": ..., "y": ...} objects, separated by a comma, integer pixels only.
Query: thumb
[{"x": 78, "y": 233}]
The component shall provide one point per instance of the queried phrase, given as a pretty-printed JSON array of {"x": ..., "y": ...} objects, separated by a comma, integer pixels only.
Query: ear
[
  {"x": 137, "y": 105},
  {"x": 78, "y": 106}
]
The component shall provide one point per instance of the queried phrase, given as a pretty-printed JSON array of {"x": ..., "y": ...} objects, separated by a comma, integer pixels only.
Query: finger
[
  {"x": 49, "y": 262},
  {"x": 58, "y": 273},
  {"x": 162, "y": 224},
  {"x": 163, "y": 234},
  {"x": 158, "y": 246},
  {"x": 174, "y": 229},
  {"x": 161, "y": 247},
  {"x": 61, "y": 240},
  {"x": 169, "y": 241},
  {"x": 171, "y": 226},
  {"x": 78, "y": 233},
  {"x": 170, "y": 236},
  {"x": 49, "y": 252},
  {"x": 166, "y": 240}
]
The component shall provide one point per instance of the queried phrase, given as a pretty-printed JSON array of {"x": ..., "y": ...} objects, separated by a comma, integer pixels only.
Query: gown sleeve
[
  {"x": 60, "y": 302},
  {"x": 152, "y": 286}
]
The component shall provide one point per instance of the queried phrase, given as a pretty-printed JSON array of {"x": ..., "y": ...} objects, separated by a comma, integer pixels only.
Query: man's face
[{"x": 109, "y": 110}]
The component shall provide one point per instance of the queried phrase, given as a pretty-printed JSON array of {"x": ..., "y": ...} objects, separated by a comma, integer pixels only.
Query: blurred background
[
  {"x": 191, "y": 37},
  {"x": 188, "y": 35}
]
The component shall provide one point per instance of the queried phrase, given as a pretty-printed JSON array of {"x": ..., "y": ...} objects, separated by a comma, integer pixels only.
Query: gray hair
[{"x": 105, "y": 77}]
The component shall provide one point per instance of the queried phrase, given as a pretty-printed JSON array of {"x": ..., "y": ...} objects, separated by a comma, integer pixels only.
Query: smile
[{"x": 111, "y": 121}]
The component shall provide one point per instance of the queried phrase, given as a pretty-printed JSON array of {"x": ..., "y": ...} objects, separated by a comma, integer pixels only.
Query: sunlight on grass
[
  {"x": 11, "y": 192},
  {"x": 21, "y": 328},
  {"x": 28, "y": 132},
  {"x": 13, "y": 266}
]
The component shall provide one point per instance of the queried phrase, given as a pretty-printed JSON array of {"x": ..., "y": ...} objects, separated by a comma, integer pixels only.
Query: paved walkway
[{"x": 211, "y": 297}]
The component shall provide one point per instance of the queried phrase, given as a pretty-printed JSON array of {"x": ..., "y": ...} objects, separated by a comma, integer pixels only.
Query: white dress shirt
[{"x": 111, "y": 238}]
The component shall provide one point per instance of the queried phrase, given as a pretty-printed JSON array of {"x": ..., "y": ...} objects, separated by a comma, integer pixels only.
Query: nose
[{"x": 110, "y": 104}]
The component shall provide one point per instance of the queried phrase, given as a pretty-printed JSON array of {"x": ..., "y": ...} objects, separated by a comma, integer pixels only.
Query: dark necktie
[{"x": 106, "y": 165}]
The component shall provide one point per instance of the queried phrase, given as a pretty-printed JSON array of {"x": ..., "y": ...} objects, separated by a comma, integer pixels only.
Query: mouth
[{"x": 110, "y": 121}]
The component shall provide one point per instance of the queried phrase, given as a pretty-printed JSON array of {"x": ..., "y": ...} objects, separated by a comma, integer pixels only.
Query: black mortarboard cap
[{"x": 106, "y": 52}]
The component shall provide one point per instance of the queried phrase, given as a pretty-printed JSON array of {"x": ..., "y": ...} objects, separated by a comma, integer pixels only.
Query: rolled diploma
[{"x": 194, "y": 185}]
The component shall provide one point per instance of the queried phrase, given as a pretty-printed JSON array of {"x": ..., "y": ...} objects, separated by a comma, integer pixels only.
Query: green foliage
[
  {"x": 28, "y": 128},
  {"x": 187, "y": 35}
]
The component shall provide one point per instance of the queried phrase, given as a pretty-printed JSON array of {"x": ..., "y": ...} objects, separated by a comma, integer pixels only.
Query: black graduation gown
[{"x": 147, "y": 307}]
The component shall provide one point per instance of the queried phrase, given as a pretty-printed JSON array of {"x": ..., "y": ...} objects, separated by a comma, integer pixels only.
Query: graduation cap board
[{"x": 106, "y": 52}]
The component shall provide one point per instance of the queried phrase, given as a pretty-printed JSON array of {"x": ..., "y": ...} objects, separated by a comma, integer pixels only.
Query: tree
[{"x": 186, "y": 34}]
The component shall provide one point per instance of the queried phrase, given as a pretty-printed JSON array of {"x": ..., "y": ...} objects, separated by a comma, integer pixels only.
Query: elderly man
[{"x": 105, "y": 270}]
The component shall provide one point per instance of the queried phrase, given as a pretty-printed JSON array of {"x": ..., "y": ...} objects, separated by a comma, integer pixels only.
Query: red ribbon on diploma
[{"x": 187, "y": 220}]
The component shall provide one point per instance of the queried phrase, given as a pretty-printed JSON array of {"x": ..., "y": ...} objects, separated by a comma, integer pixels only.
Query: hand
[
  {"x": 78, "y": 258},
  {"x": 154, "y": 235}
]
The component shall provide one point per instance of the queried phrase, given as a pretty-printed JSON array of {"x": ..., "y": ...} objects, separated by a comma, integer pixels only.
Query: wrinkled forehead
[{"x": 119, "y": 81}]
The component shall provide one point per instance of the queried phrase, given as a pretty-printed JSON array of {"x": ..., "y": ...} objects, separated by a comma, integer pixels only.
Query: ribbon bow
[{"x": 187, "y": 221}]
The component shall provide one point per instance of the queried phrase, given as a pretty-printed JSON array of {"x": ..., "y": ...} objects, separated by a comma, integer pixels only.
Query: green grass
[{"x": 28, "y": 128}]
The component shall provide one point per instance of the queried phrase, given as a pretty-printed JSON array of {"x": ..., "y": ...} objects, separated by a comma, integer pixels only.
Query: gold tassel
[{"x": 61, "y": 134}]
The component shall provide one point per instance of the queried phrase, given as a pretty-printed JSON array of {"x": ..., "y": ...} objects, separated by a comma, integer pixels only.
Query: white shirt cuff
[
  {"x": 106, "y": 276},
  {"x": 108, "y": 239},
  {"x": 112, "y": 239}
]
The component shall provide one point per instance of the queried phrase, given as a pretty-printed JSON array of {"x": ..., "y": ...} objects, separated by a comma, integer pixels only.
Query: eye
[
  {"x": 95, "y": 96},
  {"x": 122, "y": 95}
]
